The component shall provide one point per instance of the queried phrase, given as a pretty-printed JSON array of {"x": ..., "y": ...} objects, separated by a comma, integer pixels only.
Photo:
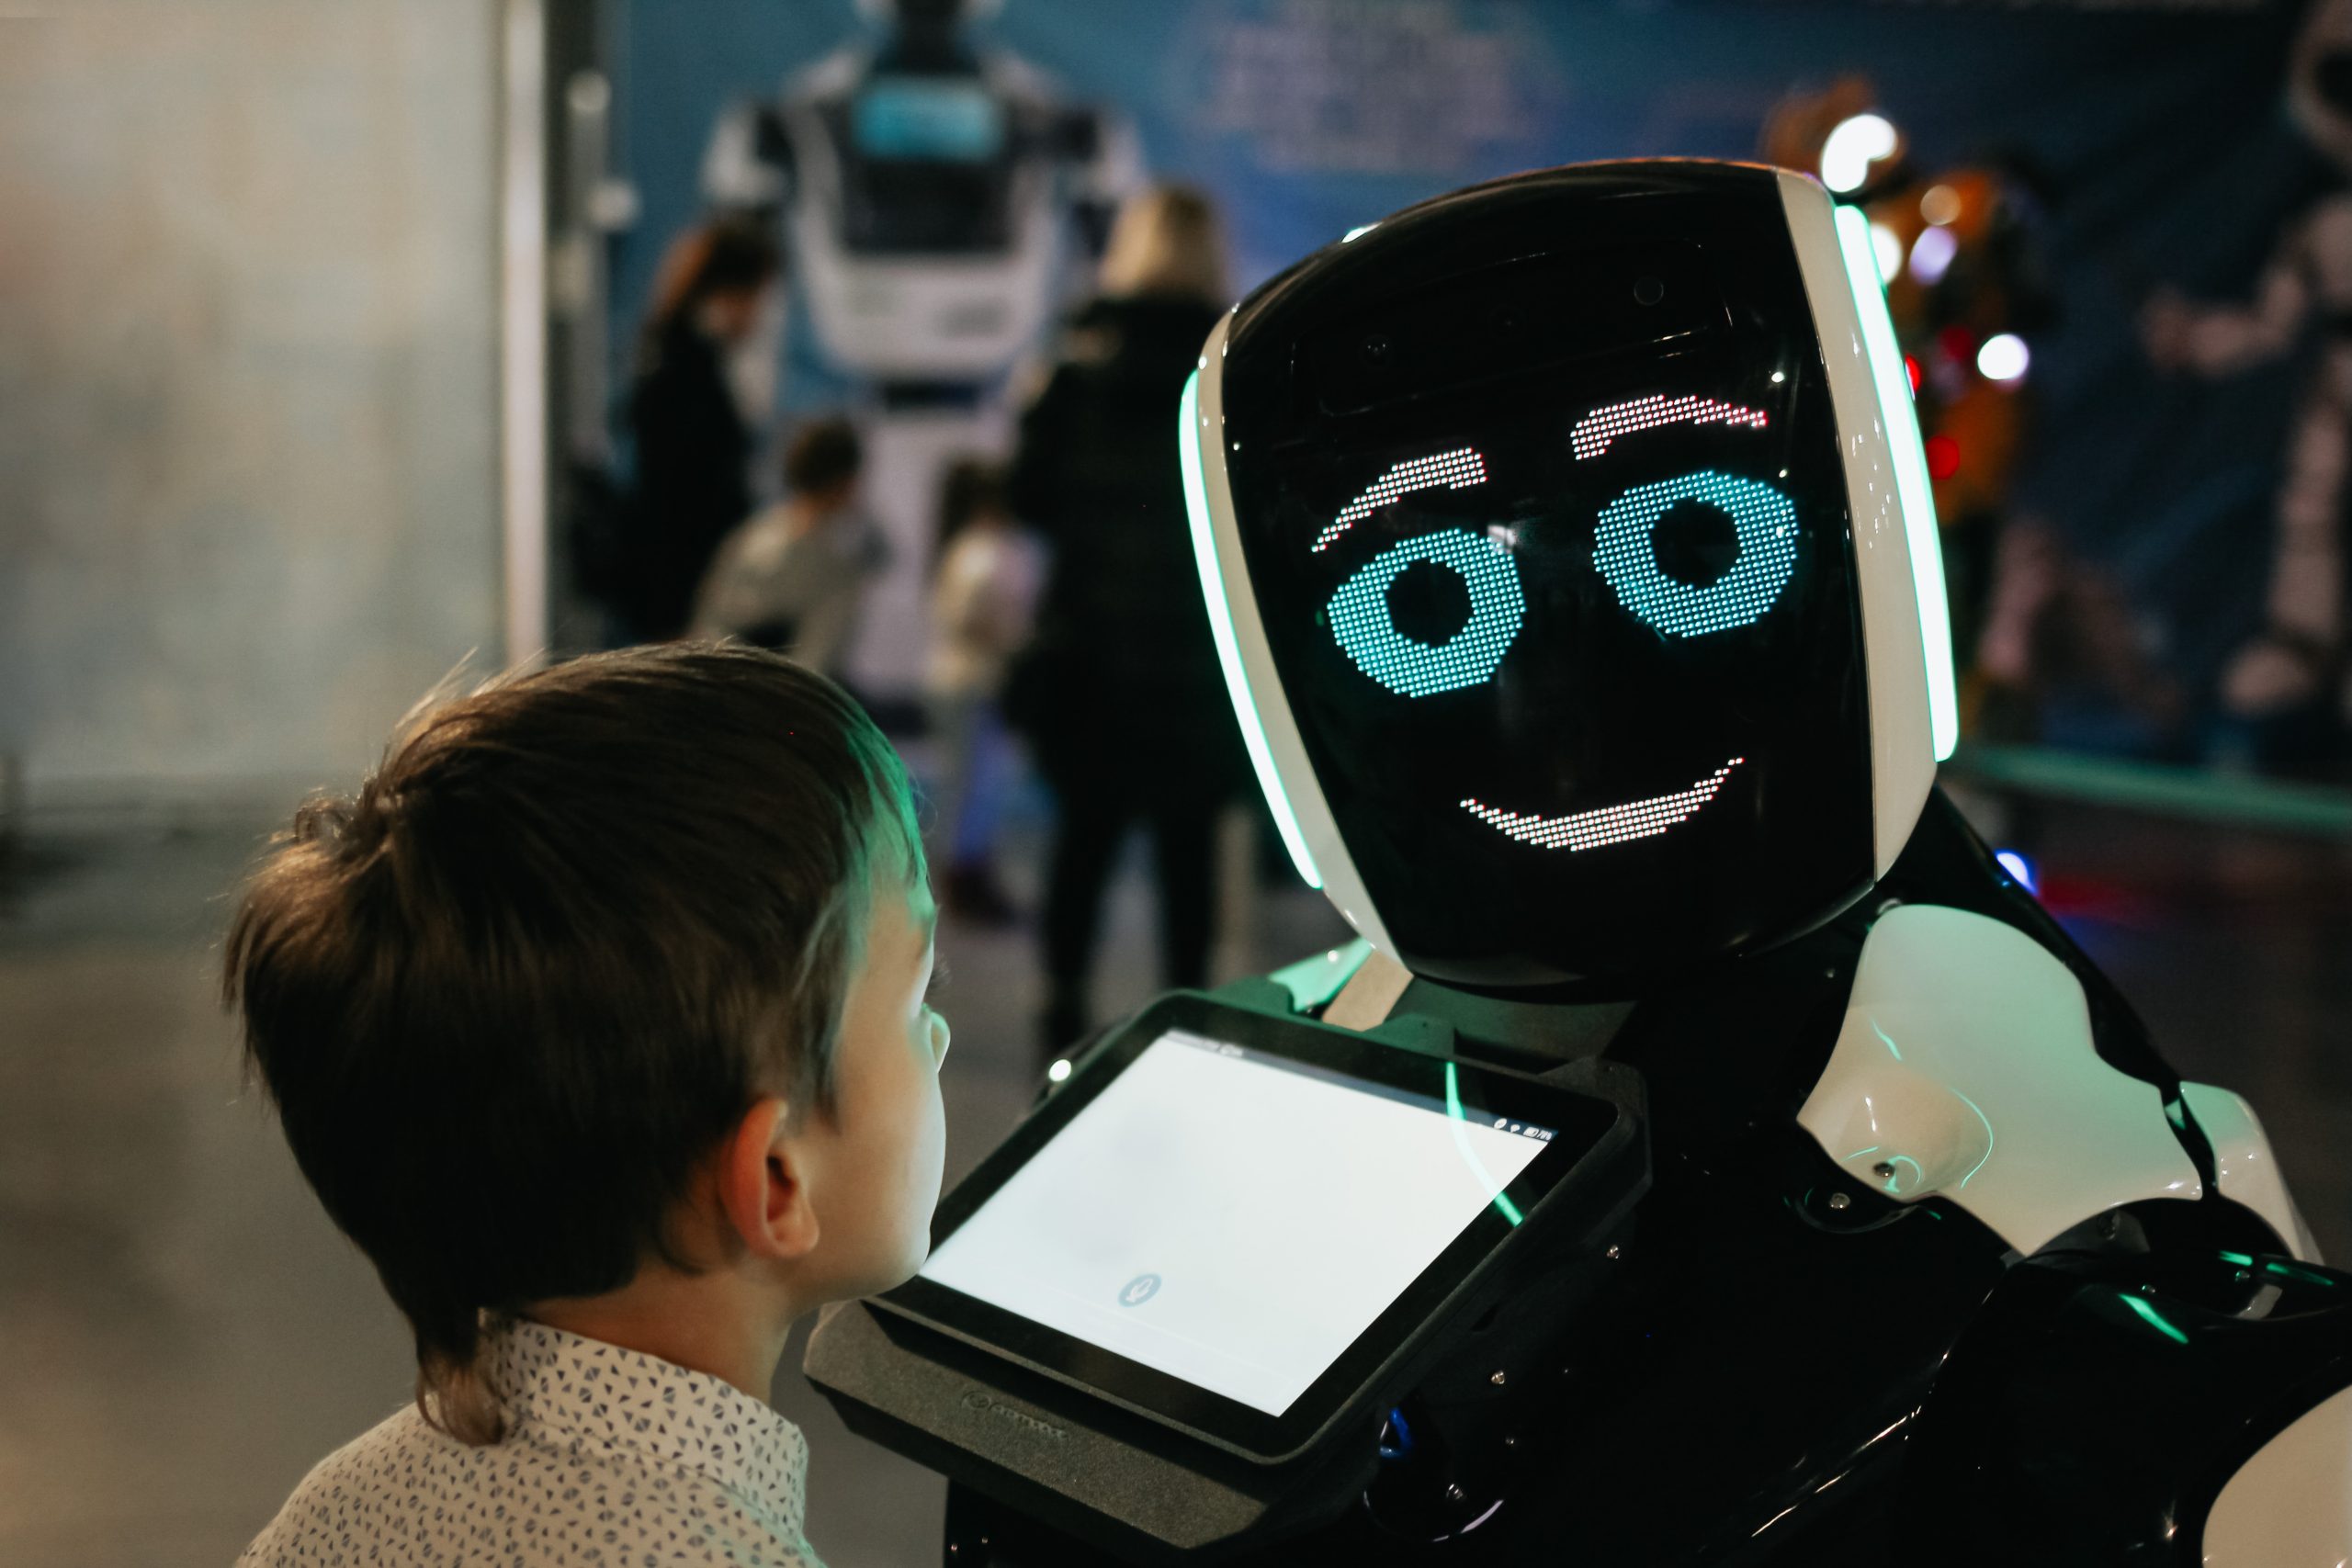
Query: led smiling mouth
[{"x": 1605, "y": 825}]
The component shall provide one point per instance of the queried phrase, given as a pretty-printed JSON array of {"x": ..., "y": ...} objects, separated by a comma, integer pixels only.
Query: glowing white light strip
[
  {"x": 1610, "y": 824},
  {"x": 1229, "y": 647},
  {"x": 1457, "y": 470},
  {"x": 1596, "y": 430},
  {"x": 1911, "y": 482}
]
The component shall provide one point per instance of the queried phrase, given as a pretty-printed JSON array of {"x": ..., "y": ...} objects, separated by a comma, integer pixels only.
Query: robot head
[{"x": 1570, "y": 549}]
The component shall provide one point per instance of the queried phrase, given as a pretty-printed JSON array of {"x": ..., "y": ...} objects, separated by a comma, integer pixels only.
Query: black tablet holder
[{"x": 1422, "y": 1440}]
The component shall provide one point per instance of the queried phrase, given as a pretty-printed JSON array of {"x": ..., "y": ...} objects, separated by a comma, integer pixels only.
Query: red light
[
  {"x": 1943, "y": 457},
  {"x": 1959, "y": 345},
  {"x": 1911, "y": 368}
]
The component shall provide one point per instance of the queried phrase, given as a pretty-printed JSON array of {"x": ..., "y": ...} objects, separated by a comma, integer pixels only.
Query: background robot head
[{"x": 1571, "y": 550}]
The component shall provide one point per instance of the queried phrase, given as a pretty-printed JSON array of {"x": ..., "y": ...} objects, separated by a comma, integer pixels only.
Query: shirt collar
[{"x": 583, "y": 1393}]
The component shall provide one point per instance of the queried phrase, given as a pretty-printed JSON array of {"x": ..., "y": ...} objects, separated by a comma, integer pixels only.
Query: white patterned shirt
[{"x": 612, "y": 1459}]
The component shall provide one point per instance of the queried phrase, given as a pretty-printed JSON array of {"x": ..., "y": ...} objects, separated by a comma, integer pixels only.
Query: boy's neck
[{"x": 704, "y": 1323}]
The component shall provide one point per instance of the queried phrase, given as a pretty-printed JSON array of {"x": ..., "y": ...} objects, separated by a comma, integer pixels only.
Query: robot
[
  {"x": 931, "y": 193},
  {"x": 926, "y": 188},
  {"x": 2299, "y": 654},
  {"x": 1571, "y": 550}
]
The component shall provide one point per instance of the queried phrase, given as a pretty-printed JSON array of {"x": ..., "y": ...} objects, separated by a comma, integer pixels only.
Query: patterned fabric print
[{"x": 612, "y": 1459}]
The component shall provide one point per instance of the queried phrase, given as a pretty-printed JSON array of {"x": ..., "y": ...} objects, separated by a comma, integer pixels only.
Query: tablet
[{"x": 1229, "y": 1221}]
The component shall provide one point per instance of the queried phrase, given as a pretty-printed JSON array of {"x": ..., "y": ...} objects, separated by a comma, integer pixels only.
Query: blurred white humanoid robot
[
  {"x": 927, "y": 186},
  {"x": 2289, "y": 664}
]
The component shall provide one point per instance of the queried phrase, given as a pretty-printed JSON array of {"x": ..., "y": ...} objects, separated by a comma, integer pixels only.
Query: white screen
[{"x": 1229, "y": 1219}]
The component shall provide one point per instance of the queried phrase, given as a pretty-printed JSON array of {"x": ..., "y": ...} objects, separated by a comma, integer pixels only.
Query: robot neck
[{"x": 927, "y": 47}]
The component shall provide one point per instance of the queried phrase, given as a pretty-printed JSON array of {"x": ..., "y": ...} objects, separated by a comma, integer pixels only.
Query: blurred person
[
  {"x": 598, "y": 996},
  {"x": 1120, "y": 691},
  {"x": 794, "y": 578},
  {"x": 985, "y": 575},
  {"x": 2064, "y": 657},
  {"x": 694, "y": 443}
]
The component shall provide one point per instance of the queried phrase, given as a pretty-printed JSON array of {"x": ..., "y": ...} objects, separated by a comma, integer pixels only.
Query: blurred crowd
[{"x": 1064, "y": 644}]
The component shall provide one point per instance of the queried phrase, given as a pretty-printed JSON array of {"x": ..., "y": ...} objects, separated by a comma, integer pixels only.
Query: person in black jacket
[
  {"x": 694, "y": 445},
  {"x": 1119, "y": 693}
]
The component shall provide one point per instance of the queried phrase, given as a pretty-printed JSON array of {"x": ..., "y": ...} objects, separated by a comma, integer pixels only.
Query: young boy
[
  {"x": 597, "y": 1020},
  {"x": 794, "y": 578}
]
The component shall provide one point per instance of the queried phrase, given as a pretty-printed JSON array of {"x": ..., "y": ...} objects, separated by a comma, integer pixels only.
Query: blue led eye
[
  {"x": 1765, "y": 520},
  {"x": 1359, "y": 618}
]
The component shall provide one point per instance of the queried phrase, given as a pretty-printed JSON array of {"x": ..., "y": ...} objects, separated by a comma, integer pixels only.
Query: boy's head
[
  {"x": 822, "y": 461},
  {"x": 614, "y": 965}
]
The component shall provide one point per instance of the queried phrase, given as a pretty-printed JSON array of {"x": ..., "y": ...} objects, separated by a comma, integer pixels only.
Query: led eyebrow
[
  {"x": 1596, "y": 430},
  {"x": 1457, "y": 470}
]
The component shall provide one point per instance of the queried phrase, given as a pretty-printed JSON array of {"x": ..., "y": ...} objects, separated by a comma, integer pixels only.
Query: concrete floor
[{"x": 184, "y": 1333}]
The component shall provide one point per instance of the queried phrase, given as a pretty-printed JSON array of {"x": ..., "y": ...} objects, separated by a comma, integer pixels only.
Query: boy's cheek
[
  {"x": 908, "y": 1183},
  {"x": 929, "y": 1174}
]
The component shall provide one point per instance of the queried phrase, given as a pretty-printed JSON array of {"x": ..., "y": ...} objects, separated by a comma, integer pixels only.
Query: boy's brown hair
[{"x": 514, "y": 992}]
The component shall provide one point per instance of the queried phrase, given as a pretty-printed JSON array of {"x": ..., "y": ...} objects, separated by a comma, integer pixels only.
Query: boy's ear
[{"x": 762, "y": 1185}]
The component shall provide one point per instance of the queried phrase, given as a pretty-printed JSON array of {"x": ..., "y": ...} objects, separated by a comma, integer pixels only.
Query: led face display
[{"x": 1560, "y": 590}]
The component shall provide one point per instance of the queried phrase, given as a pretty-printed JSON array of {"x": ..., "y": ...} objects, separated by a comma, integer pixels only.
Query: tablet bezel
[{"x": 1580, "y": 1123}]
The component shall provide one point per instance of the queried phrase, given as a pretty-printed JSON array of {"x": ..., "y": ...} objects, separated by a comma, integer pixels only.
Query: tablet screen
[{"x": 1233, "y": 1218}]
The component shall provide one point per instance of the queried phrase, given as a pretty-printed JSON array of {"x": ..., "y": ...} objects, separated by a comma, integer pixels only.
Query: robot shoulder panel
[{"x": 1966, "y": 1065}]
